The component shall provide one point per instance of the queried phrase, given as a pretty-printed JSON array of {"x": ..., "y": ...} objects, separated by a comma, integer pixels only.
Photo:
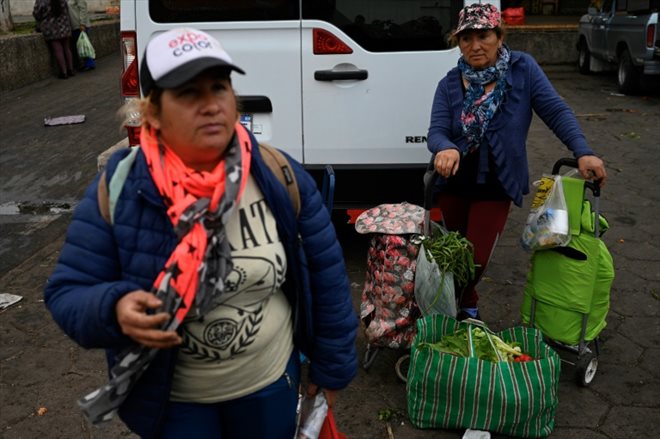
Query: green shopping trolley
[{"x": 567, "y": 296}]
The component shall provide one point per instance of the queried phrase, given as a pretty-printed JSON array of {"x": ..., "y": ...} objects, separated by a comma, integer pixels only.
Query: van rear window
[
  {"x": 389, "y": 26},
  {"x": 184, "y": 11}
]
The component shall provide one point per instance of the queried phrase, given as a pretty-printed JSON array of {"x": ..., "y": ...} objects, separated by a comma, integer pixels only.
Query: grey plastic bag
[{"x": 434, "y": 290}]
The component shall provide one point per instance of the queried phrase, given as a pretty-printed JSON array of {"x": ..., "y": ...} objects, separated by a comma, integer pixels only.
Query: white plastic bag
[
  {"x": 547, "y": 222},
  {"x": 84, "y": 46},
  {"x": 434, "y": 290},
  {"x": 313, "y": 411}
]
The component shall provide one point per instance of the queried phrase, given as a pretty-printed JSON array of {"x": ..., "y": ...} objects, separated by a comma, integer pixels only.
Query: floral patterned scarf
[
  {"x": 199, "y": 204},
  {"x": 479, "y": 107}
]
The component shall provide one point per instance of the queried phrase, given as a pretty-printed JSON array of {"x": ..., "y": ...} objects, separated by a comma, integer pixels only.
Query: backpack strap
[
  {"x": 103, "y": 198},
  {"x": 108, "y": 193},
  {"x": 280, "y": 166}
]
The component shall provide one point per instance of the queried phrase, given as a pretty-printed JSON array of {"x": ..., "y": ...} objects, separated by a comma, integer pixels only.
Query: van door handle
[{"x": 334, "y": 75}]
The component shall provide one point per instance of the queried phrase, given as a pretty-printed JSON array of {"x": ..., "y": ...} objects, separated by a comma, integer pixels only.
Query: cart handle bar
[{"x": 572, "y": 163}]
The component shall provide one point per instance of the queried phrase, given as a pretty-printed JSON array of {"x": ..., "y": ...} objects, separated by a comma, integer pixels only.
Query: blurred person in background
[
  {"x": 80, "y": 22},
  {"x": 52, "y": 18}
]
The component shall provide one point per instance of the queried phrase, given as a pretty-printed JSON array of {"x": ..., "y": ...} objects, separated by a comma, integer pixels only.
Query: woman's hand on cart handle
[
  {"x": 592, "y": 168},
  {"x": 446, "y": 162},
  {"x": 330, "y": 395}
]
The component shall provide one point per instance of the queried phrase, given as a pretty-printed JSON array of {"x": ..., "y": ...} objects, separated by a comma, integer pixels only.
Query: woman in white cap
[
  {"x": 480, "y": 118},
  {"x": 206, "y": 284}
]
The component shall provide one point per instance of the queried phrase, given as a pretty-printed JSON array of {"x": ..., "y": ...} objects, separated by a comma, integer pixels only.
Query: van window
[
  {"x": 607, "y": 6},
  {"x": 376, "y": 25},
  {"x": 391, "y": 25},
  {"x": 185, "y": 11}
]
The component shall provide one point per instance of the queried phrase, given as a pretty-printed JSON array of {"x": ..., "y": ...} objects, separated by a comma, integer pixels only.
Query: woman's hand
[
  {"x": 591, "y": 167},
  {"x": 142, "y": 327},
  {"x": 330, "y": 395},
  {"x": 446, "y": 162}
]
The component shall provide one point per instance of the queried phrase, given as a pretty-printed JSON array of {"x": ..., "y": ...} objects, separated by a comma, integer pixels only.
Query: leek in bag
[
  {"x": 84, "y": 46},
  {"x": 547, "y": 222}
]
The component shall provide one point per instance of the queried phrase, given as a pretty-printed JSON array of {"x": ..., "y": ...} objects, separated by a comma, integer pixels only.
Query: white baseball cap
[{"x": 174, "y": 57}]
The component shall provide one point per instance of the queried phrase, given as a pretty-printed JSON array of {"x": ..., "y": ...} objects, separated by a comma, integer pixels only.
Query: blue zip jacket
[
  {"x": 528, "y": 88},
  {"x": 99, "y": 263}
]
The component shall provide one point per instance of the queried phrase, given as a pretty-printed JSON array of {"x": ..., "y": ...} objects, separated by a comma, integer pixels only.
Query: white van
[{"x": 346, "y": 83}]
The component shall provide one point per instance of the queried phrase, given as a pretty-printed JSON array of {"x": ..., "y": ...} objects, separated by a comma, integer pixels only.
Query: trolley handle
[
  {"x": 568, "y": 162},
  {"x": 572, "y": 163},
  {"x": 430, "y": 176}
]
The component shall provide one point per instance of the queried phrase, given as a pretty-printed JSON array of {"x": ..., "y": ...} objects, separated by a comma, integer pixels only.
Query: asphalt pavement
[{"x": 45, "y": 170}]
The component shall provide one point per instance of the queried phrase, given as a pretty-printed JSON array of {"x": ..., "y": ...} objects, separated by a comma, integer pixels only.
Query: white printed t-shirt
[{"x": 244, "y": 344}]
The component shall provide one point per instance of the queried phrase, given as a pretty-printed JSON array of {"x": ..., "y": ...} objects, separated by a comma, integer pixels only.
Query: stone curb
[{"x": 25, "y": 59}]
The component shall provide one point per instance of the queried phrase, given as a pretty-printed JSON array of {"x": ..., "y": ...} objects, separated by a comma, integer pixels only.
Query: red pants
[{"x": 482, "y": 223}]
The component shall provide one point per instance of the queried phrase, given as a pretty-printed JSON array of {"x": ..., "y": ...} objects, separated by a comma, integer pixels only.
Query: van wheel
[
  {"x": 628, "y": 75},
  {"x": 584, "y": 58}
]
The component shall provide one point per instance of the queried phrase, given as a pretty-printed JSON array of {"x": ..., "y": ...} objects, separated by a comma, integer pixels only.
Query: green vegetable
[
  {"x": 454, "y": 254},
  {"x": 507, "y": 352},
  {"x": 456, "y": 343},
  {"x": 388, "y": 415}
]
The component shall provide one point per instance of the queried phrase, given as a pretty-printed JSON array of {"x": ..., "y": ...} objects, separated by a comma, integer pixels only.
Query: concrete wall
[
  {"x": 24, "y": 7},
  {"x": 25, "y": 59},
  {"x": 549, "y": 45}
]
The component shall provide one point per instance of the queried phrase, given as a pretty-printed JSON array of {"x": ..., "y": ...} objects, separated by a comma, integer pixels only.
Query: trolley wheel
[
  {"x": 586, "y": 366},
  {"x": 402, "y": 365},
  {"x": 369, "y": 356}
]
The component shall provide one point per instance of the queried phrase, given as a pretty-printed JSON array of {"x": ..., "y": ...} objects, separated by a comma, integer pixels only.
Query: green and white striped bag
[{"x": 448, "y": 391}]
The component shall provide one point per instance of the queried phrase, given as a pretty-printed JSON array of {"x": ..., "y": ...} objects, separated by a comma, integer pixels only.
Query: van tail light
[
  {"x": 130, "y": 86},
  {"x": 129, "y": 81},
  {"x": 650, "y": 36},
  {"x": 325, "y": 43},
  {"x": 133, "y": 134},
  {"x": 129, "y": 77}
]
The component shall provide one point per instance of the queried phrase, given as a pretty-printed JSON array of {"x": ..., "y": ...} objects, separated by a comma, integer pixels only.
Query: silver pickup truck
[{"x": 623, "y": 35}]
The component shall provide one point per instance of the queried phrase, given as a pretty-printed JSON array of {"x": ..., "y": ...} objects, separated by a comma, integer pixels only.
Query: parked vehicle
[
  {"x": 332, "y": 82},
  {"x": 622, "y": 35}
]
